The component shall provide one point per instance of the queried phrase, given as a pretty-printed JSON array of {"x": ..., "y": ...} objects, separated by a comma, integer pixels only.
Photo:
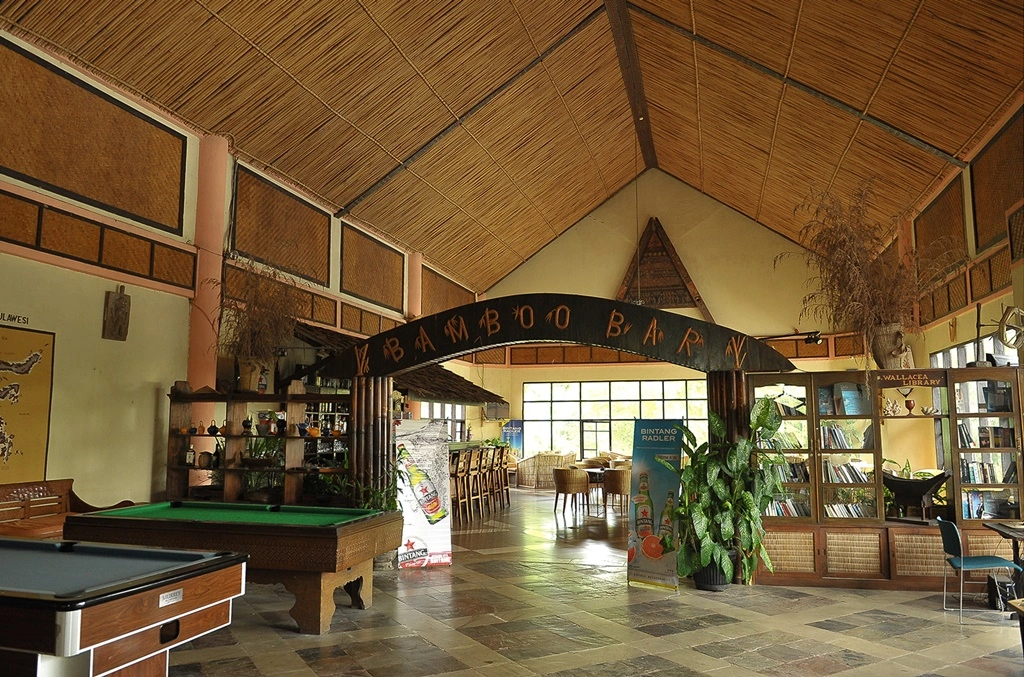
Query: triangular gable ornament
[{"x": 657, "y": 278}]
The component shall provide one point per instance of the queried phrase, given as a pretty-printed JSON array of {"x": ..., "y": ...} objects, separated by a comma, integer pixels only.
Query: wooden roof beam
[{"x": 629, "y": 62}]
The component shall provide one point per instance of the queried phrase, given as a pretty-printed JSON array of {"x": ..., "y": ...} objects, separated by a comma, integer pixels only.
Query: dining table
[{"x": 1014, "y": 532}]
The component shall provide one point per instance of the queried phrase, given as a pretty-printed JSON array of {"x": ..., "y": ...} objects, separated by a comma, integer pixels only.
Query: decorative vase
[{"x": 889, "y": 349}]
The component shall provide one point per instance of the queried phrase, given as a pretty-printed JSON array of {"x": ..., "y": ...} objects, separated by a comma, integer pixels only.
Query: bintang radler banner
[
  {"x": 653, "y": 540},
  {"x": 423, "y": 493}
]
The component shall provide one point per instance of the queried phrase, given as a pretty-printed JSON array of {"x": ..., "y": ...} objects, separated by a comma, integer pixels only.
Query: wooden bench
[{"x": 37, "y": 509}]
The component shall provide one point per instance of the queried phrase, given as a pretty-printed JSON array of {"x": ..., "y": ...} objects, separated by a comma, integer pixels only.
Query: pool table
[
  {"x": 311, "y": 550},
  {"x": 78, "y": 609}
]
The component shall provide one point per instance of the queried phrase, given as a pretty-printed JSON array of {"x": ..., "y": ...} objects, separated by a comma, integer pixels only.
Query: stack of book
[
  {"x": 832, "y": 437},
  {"x": 853, "y": 510},
  {"x": 843, "y": 473},
  {"x": 787, "y": 507}
]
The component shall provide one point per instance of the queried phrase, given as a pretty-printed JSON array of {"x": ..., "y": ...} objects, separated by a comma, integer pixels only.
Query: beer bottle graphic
[
  {"x": 644, "y": 509},
  {"x": 422, "y": 488},
  {"x": 665, "y": 526}
]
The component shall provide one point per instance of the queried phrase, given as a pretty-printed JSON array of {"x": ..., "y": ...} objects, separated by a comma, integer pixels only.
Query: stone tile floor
[{"x": 537, "y": 593}]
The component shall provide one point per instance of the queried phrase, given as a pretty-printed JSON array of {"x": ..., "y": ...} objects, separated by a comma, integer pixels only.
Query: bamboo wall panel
[
  {"x": 918, "y": 554},
  {"x": 371, "y": 270},
  {"x": 927, "y": 308},
  {"x": 68, "y": 137},
  {"x": 1016, "y": 226},
  {"x": 677, "y": 13},
  {"x": 764, "y": 35},
  {"x": 548, "y": 21},
  {"x": 369, "y": 323},
  {"x": 586, "y": 73},
  {"x": 843, "y": 54},
  {"x": 667, "y": 65},
  {"x": 19, "y": 219},
  {"x": 458, "y": 165},
  {"x": 997, "y": 182},
  {"x": 336, "y": 161},
  {"x": 849, "y": 345},
  {"x": 904, "y": 173},
  {"x": 736, "y": 135},
  {"x": 276, "y": 227},
  {"x": 464, "y": 50},
  {"x": 957, "y": 293},
  {"x": 341, "y": 54},
  {"x": 173, "y": 266},
  {"x": 528, "y": 132},
  {"x": 325, "y": 310},
  {"x": 351, "y": 318},
  {"x": 125, "y": 252},
  {"x": 791, "y": 551},
  {"x": 934, "y": 89},
  {"x": 26, "y": 221},
  {"x": 941, "y": 225},
  {"x": 809, "y": 143},
  {"x": 70, "y": 236},
  {"x": 440, "y": 293},
  {"x": 853, "y": 553}
]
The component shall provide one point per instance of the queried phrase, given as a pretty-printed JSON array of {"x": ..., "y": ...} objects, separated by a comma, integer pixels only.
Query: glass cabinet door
[
  {"x": 986, "y": 443},
  {"x": 847, "y": 440},
  {"x": 792, "y": 442}
]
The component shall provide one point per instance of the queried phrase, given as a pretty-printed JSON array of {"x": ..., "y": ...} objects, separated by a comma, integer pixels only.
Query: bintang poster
[
  {"x": 26, "y": 380},
  {"x": 653, "y": 540},
  {"x": 424, "y": 495}
]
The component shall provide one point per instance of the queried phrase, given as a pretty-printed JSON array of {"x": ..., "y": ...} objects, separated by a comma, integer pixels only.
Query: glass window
[
  {"x": 650, "y": 390},
  {"x": 532, "y": 392},
  {"x": 626, "y": 409},
  {"x": 555, "y": 413},
  {"x": 533, "y": 411},
  {"x": 625, "y": 390},
  {"x": 565, "y": 411},
  {"x": 565, "y": 391},
  {"x": 651, "y": 409}
]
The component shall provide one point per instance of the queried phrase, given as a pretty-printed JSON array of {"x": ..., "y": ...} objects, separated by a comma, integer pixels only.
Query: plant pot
[
  {"x": 889, "y": 349},
  {"x": 710, "y": 578},
  {"x": 385, "y": 561}
]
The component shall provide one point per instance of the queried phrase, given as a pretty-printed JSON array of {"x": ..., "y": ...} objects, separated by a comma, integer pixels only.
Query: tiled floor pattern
[{"x": 533, "y": 593}]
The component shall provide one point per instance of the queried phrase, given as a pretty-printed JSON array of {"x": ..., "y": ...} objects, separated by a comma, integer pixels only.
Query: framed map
[{"x": 26, "y": 381}]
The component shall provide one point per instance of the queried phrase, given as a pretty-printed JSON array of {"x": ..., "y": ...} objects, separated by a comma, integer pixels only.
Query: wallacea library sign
[{"x": 561, "y": 318}]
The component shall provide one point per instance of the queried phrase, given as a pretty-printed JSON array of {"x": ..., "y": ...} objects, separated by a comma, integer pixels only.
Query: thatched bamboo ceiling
[{"x": 478, "y": 131}]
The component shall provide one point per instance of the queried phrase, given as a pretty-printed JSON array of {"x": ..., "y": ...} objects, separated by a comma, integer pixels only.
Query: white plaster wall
[
  {"x": 108, "y": 421},
  {"x": 729, "y": 257}
]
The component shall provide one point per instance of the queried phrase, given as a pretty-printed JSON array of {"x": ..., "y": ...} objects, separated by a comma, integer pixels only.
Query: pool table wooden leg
[{"x": 314, "y": 592}]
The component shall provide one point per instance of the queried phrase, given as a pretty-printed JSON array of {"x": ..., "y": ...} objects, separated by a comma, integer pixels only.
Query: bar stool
[
  {"x": 460, "y": 498},
  {"x": 487, "y": 478},
  {"x": 474, "y": 482}
]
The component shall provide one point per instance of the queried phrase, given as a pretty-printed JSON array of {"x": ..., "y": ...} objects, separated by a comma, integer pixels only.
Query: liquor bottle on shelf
[
  {"x": 644, "y": 509},
  {"x": 422, "y": 488}
]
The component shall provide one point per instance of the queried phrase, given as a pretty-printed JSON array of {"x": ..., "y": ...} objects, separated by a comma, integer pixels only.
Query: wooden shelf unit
[{"x": 183, "y": 478}]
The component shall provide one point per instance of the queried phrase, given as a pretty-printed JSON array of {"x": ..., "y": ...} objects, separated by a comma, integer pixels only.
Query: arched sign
[{"x": 562, "y": 318}]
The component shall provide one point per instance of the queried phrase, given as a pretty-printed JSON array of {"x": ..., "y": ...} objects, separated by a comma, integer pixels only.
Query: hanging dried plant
[
  {"x": 861, "y": 282},
  {"x": 257, "y": 317}
]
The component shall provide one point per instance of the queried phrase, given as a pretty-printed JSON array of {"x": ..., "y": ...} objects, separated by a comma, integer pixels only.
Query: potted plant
[
  {"x": 724, "y": 489},
  {"x": 256, "y": 321},
  {"x": 862, "y": 281}
]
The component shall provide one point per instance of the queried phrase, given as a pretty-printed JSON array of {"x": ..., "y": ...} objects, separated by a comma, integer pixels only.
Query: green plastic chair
[{"x": 953, "y": 546}]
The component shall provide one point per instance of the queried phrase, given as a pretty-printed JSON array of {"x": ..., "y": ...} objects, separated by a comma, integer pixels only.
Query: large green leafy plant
[{"x": 724, "y": 489}]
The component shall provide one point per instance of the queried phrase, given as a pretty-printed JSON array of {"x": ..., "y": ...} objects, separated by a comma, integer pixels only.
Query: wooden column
[{"x": 727, "y": 397}]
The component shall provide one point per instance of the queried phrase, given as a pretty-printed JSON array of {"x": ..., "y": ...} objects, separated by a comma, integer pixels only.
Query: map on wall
[{"x": 26, "y": 379}]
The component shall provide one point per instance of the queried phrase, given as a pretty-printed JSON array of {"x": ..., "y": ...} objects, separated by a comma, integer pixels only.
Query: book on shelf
[
  {"x": 995, "y": 437},
  {"x": 832, "y": 437},
  {"x": 826, "y": 405},
  {"x": 998, "y": 396},
  {"x": 964, "y": 438},
  {"x": 1010, "y": 476}
]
